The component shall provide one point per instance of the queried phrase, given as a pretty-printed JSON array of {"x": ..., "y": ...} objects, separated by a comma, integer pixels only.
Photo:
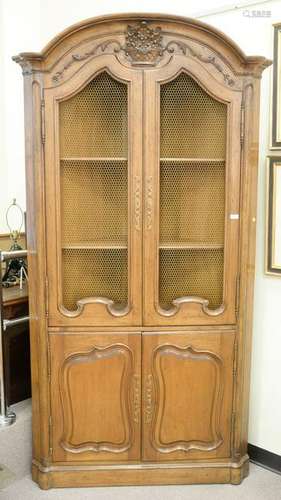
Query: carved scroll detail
[
  {"x": 193, "y": 355},
  {"x": 174, "y": 45},
  {"x": 148, "y": 410},
  {"x": 110, "y": 305},
  {"x": 149, "y": 202},
  {"x": 111, "y": 46},
  {"x": 26, "y": 66},
  {"x": 136, "y": 398},
  {"x": 137, "y": 202}
]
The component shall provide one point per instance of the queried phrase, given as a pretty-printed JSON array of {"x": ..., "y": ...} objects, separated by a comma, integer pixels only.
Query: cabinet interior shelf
[
  {"x": 94, "y": 158},
  {"x": 193, "y": 160},
  {"x": 96, "y": 246},
  {"x": 190, "y": 246}
]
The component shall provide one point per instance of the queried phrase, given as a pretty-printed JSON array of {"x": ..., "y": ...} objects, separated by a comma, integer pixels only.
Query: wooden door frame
[
  {"x": 215, "y": 348},
  {"x": 68, "y": 351},
  {"x": 94, "y": 311},
  {"x": 189, "y": 312}
]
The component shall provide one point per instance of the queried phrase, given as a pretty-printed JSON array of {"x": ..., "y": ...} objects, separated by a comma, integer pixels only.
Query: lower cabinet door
[
  {"x": 187, "y": 395},
  {"x": 95, "y": 397}
]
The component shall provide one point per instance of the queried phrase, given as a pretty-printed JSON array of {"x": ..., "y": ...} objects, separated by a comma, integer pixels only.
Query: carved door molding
[
  {"x": 187, "y": 388},
  {"x": 95, "y": 388}
]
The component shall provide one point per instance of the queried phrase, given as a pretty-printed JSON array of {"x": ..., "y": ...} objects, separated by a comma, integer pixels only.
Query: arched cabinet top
[{"x": 142, "y": 41}]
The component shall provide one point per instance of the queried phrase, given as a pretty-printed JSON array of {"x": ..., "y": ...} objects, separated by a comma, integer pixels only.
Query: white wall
[
  {"x": 28, "y": 26},
  {"x": 255, "y": 36},
  {"x": 20, "y": 30}
]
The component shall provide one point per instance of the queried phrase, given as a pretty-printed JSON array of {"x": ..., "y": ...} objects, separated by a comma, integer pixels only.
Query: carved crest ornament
[
  {"x": 143, "y": 43},
  {"x": 144, "y": 47}
]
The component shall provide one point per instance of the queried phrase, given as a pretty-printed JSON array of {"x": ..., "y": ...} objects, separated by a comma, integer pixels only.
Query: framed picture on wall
[
  {"x": 276, "y": 91},
  {"x": 273, "y": 216}
]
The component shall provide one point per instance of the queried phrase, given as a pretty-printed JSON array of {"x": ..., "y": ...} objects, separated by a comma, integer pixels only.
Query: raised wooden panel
[
  {"x": 187, "y": 392},
  {"x": 95, "y": 390}
]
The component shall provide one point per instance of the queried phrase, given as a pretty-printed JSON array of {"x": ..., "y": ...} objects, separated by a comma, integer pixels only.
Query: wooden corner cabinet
[{"x": 141, "y": 155}]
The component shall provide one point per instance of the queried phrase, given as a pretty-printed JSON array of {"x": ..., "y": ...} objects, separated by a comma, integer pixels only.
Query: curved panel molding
[
  {"x": 204, "y": 303},
  {"x": 72, "y": 417},
  {"x": 108, "y": 303},
  {"x": 166, "y": 406}
]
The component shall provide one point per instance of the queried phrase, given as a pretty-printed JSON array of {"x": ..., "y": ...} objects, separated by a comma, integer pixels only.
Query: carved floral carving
[{"x": 143, "y": 43}]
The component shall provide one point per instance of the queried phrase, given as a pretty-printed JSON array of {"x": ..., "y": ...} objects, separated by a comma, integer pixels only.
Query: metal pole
[
  {"x": 13, "y": 254},
  {"x": 6, "y": 417}
]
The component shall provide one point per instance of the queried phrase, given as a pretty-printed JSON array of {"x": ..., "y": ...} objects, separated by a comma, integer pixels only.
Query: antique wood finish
[
  {"x": 188, "y": 311},
  {"x": 187, "y": 394},
  {"x": 154, "y": 390},
  {"x": 95, "y": 307},
  {"x": 95, "y": 394}
]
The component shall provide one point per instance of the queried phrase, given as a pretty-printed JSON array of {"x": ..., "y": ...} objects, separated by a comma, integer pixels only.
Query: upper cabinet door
[
  {"x": 192, "y": 175},
  {"x": 93, "y": 195}
]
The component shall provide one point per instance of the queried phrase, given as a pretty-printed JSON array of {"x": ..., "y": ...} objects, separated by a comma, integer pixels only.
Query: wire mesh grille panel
[
  {"x": 191, "y": 272},
  {"x": 94, "y": 192},
  {"x": 192, "y": 123},
  {"x": 94, "y": 273},
  {"x": 94, "y": 121},
  {"x": 94, "y": 202},
  {"x": 192, "y": 202},
  {"x": 192, "y": 192}
]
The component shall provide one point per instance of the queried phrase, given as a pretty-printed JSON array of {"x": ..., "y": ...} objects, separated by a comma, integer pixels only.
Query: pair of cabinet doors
[
  {"x": 141, "y": 396},
  {"x": 142, "y": 171}
]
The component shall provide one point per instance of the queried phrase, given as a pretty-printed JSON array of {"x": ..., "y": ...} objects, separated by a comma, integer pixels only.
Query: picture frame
[
  {"x": 276, "y": 91},
  {"x": 273, "y": 217}
]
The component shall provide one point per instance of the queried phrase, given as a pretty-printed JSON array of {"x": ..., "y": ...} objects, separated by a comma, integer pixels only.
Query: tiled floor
[{"x": 15, "y": 453}]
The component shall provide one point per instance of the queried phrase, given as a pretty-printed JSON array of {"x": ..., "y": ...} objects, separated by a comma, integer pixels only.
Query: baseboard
[{"x": 264, "y": 458}]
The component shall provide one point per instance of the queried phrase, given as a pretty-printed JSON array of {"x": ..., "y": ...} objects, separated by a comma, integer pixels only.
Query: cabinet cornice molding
[{"x": 143, "y": 42}]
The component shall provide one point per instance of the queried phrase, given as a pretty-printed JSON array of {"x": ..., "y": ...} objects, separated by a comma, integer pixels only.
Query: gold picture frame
[
  {"x": 276, "y": 91},
  {"x": 273, "y": 217}
]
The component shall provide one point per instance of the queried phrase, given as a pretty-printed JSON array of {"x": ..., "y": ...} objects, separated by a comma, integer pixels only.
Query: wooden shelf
[
  {"x": 193, "y": 160},
  {"x": 95, "y": 158},
  {"x": 190, "y": 246},
  {"x": 102, "y": 245}
]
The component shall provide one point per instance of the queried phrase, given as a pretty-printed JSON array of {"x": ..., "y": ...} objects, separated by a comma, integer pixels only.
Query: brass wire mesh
[
  {"x": 192, "y": 123},
  {"x": 94, "y": 201},
  {"x": 94, "y": 192},
  {"x": 191, "y": 272},
  {"x": 94, "y": 273},
  {"x": 94, "y": 121},
  {"x": 192, "y": 202},
  {"x": 192, "y": 192}
]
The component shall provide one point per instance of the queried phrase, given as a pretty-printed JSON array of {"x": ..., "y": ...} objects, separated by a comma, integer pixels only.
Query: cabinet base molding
[{"x": 62, "y": 476}]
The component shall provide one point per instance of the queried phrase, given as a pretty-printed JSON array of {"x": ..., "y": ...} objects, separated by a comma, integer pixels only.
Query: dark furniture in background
[{"x": 16, "y": 346}]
